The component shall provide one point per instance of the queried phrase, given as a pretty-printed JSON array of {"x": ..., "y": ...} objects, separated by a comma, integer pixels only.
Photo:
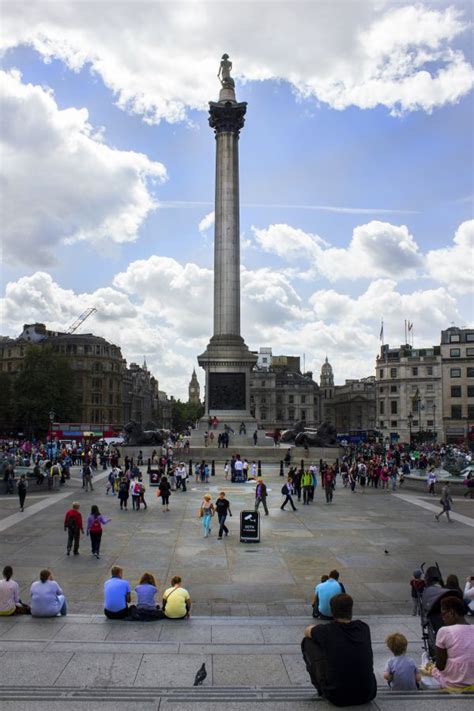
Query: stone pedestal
[{"x": 227, "y": 360}]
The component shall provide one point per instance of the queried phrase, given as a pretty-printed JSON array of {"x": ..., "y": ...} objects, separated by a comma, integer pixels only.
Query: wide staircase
[{"x": 86, "y": 661}]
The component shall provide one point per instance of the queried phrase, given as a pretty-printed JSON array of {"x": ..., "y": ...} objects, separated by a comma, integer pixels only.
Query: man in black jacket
[
  {"x": 222, "y": 508},
  {"x": 261, "y": 495},
  {"x": 339, "y": 656}
]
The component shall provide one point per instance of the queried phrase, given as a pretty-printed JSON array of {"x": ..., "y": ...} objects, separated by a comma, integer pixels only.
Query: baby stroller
[{"x": 430, "y": 605}]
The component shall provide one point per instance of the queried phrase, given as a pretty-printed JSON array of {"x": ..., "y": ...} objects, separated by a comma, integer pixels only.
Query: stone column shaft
[{"x": 227, "y": 236}]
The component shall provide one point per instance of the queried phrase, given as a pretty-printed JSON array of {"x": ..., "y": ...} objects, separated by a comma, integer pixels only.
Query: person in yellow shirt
[{"x": 176, "y": 601}]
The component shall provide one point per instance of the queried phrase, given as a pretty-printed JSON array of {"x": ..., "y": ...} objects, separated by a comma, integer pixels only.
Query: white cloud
[
  {"x": 160, "y": 58},
  {"x": 60, "y": 181},
  {"x": 454, "y": 265},
  {"x": 207, "y": 222},
  {"x": 376, "y": 249},
  {"x": 163, "y": 309}
]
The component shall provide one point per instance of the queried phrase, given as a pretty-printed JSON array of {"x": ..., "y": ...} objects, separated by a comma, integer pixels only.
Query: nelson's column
[{"x": 227, "y": 360}]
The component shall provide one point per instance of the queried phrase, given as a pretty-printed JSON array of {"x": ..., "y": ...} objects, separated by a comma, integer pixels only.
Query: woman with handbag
[
  {"x": 176, "y": 601},
  {"x": 206, "y": 513}
]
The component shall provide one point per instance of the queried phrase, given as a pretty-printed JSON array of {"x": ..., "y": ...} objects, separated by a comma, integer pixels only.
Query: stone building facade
[
  {"x": 107, "y": 392},
  {"x": 280, "y": 395},
  {"x": 457, "y": 364},
  {"x": 351, "y": 407},
  {"x": 409, "y": 393}
]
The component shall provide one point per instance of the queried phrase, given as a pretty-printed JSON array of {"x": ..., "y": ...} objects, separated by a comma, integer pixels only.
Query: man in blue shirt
[
  {"x": 323, "y": 594},
  {"x": 117, "y": 595}
]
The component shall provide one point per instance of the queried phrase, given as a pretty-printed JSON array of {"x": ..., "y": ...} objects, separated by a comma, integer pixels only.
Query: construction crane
[{"x": 85, "y": 314}]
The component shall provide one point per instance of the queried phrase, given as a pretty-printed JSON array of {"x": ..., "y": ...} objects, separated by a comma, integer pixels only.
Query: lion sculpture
[{"x": 135, "y": 435}]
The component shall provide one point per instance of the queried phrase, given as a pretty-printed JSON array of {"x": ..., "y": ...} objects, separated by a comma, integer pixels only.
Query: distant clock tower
[{"x": 194, "y": 390}]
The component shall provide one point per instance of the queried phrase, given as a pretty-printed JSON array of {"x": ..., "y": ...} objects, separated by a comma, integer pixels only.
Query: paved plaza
[{"x": 251, "y": 602}]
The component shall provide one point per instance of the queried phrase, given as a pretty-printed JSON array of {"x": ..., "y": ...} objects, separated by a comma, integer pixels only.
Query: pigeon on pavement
[{"x": 200, "y": 676}]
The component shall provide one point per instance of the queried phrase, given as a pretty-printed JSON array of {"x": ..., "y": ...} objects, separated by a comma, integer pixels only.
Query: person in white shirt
[{"x": 10, "y": 603}]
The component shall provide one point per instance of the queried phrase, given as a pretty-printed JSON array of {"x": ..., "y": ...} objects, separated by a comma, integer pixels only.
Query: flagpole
[{"x": 406, "y": 337}]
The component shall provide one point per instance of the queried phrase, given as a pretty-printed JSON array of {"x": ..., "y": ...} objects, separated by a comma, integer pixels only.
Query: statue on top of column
[{"x": 224, "y": 72}]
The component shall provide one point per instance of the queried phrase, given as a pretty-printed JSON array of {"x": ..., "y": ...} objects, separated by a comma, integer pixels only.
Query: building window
[
  {"x": 381, "y": 389},
  {"x": 264, "y": 399},
  {"x": 262, "y": 383},
  {"x": 393, "y": 407},
  {"x": 470, "y": 390},
  {"x": 455, "y": 352},
  {"x": 393, "y": 372},
  {"x": 381, "y": 424},
  {"x": 429, "y": 423},
  {"x": 429, "y": 370},
  {"x": 263, "y": 414},
  {"x": 415, "y": 423},
  {"x": 303, "y": 399},
  {"x": 393, "y": 423},
  {"x": 291, "y": 414},
  {"x": 456, "y": 412},
  {"x": 414, "y": 371},
  {"x": 279, "y": 415},
  {"x": 430, "y": 386},
  {"x": 470, "y": 412},
  {"x": 393, "y": 388},
  {"x": 291, "y": 398},
  {"x": 455, "y": 391},
  {"x": 455, "y": 338},
  {"x": 470, "y": 373},
  {"x": 455, "y": 372},
  {"x": 381, "y": 373},
  {"x": 279, "y": 399},
  {"x": 303, "y": 414},
  {"x": 470, "y": 337},
  {"x": 382, "y": 407},
  {"x": 470, "y": 352}
]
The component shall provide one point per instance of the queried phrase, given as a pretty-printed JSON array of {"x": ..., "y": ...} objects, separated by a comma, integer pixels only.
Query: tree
[
  {"x": 184, "y": 414},
  {"x": 7, "y": 409},
  {"x": 45, "y": 384}
]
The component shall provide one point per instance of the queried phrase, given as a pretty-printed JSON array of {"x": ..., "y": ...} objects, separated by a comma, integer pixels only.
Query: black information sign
[
  {"x": 227, "y": 391},
  {"x": 249, "y": 527},
  {"x": 155, "y": 477}
]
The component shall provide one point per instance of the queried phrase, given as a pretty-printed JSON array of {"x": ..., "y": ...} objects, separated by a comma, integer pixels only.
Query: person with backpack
[
  {"x": 123, "y": 492},
  {"x": 95, "y": 521},
  {"x": 288, "y": 491},
  {"x": 22, "y": 488},
  {"x": 73, "y": 526}
]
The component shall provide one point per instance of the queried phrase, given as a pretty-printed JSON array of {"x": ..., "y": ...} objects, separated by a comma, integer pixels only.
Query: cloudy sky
[{"x": 356, "y": 165}]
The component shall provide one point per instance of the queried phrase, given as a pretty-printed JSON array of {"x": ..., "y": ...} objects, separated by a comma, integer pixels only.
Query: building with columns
[{"x": 409, "y": 393}]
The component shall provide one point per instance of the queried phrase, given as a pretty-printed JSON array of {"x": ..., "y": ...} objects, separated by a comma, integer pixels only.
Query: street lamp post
[
  {"x": 410, "y": 419},
  {"x": 51, "y": 420}
]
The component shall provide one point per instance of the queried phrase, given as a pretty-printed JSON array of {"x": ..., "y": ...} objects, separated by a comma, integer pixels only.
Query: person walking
[
  {"x": 328, "y": 485},
  {"x": 73, "y": 526},
  {"x": 206, "y": 514},
  {"x": 431, "y": 481},
  {"x": 22, "y": 488},
  {"x": 288, "y": 490},
  {"x": 87, "y": 477},
  {"x": 445, "y": 501},
  {"x": 95, "y": 521},
  {"x": 222, "y": 507},
  {"x": 306, "y": 484},
  {"x": 165, "y": 492},
  {"x": 261, "y": 495},
  {"x": 123, "y": 493}
]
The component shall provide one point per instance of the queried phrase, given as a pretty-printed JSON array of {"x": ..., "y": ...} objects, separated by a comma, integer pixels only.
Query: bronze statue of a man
[{"x": 224, "y": 72}]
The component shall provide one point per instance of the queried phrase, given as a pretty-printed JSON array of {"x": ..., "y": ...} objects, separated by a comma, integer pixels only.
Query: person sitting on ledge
[
  {"x": 47, "y": 598},
  {"x": 176, "y": 601},
  {"x": 10, "y": 603},
  {"x": 454, "y": 669},
  {"x": 339, "y": 658},
  {"x": 324, "y": 592},
  {"x": 117, "y": 595},
  {"x": 146, "y": 608}
]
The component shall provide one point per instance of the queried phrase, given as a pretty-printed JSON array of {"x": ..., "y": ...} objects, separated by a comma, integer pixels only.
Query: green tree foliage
[
  {"x": 6, "y": 402},
  {"x": 184, "y": 414},
  {"x": 45, "y": 384}
]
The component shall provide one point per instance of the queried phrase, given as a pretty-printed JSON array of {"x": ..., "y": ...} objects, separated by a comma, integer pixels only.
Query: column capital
[{"x": 227, "y": 117}]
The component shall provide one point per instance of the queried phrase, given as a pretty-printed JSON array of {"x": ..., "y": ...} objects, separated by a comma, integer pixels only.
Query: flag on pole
[
  {"x": 410, "y": 325},
  {"x": 381, "y": 331}
]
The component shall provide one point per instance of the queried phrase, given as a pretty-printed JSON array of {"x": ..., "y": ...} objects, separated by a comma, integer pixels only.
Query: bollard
[
  {"x": 259, "y": 468},
  {"x": 148, "y": 469},
  {"x": 281, "y": 468},
  {"x": 213, "y": 468},
  {"x": 190, "y": 471}
]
